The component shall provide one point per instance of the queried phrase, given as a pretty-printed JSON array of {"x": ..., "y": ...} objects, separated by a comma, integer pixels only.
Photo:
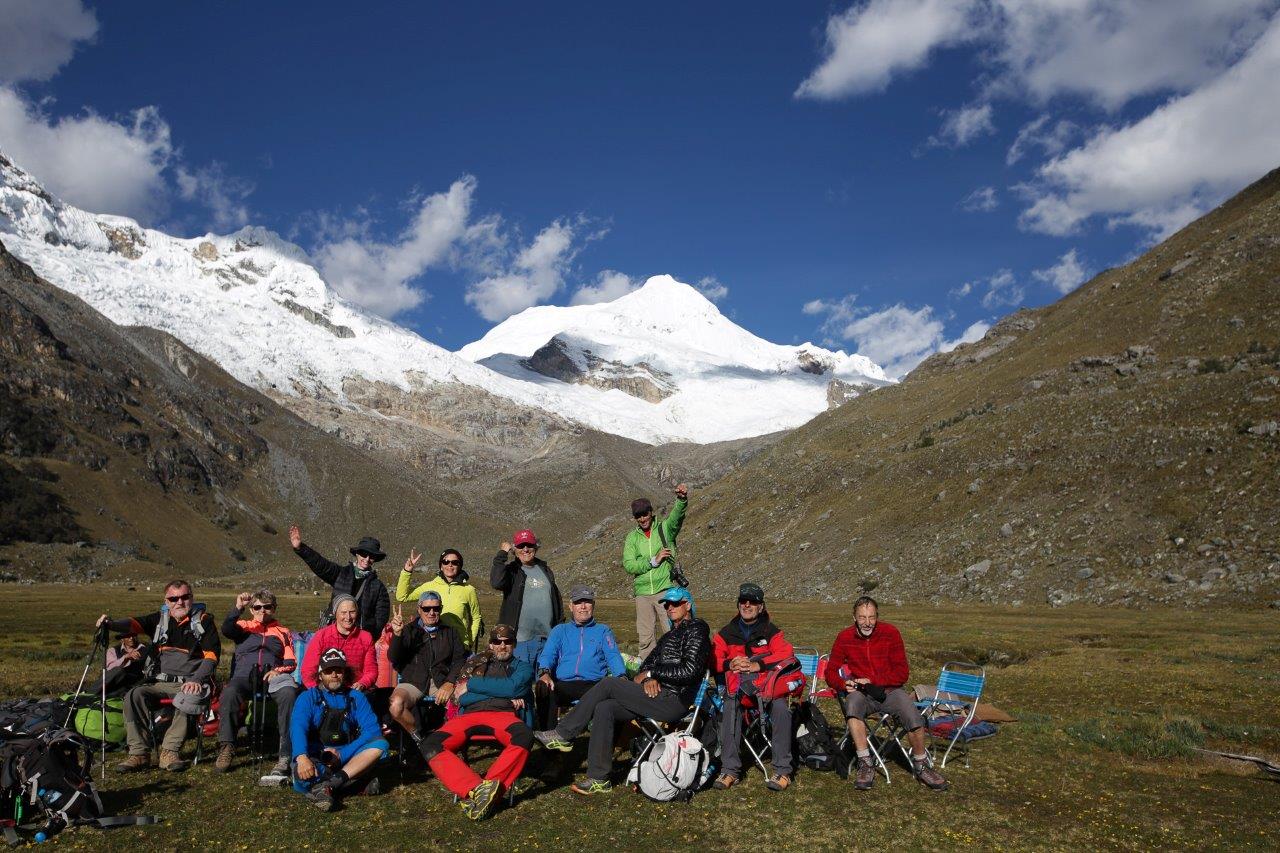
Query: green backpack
[{"x": 87, "y": 719}]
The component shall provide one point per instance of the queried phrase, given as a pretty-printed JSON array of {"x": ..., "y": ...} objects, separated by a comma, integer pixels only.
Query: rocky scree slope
[{"x": 1117, "y": 447}]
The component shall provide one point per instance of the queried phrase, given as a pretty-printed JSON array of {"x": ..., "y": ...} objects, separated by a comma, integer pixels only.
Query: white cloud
[
  {"x": 38, "y": 37},
  {"x": 897, "y": 338},
  {"x": 535, "y": 275},
  {"x": 869, "y": 43},
  {"x": 1051, "y": 137},
  {"x": 380, "y": 275},
  {"x": 974, "y": 332},
  {"x": 1163, "y": 170},
  {"x": 92, "y": 162},
  {"x": 608, "y": 286},
  {"x": 1064, "y": 276},
  {"x": 710, "y": 287},
  {"x": 962, "y": 126},
  {"x": 1002, "y": 289},
  {"x": 224, "y": 195},
  {"x": 981, "y": 200}
]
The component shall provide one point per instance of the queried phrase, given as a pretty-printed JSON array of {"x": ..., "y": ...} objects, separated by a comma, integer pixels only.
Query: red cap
[{"x": 524, "y": 537}]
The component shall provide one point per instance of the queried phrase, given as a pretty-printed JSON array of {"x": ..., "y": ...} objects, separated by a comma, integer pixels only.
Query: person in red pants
[{"x": 489, "y": 690}]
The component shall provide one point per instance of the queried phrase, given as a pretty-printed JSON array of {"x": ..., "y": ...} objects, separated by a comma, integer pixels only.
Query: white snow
[{"x": 235, "y": 309}]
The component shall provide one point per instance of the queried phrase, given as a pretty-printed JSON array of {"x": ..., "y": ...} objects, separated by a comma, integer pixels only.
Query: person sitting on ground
[
  {"x": 868, "y": 663},
  {"x": 125, "y": 662},
  {"x": 648, "y": 555},
  {"x": 663, "y": 690},
  {"x": 345, "y": 636},
  {"x": 183, "y": 659},
  {"x": 577, "y": 655},
  {"x": 530, "y": 597},
  {"x": 490, "y": 690},
  {"x": 336, "y": 737},
  {"x": 747, "y": 645},
  {"x": 358, "y": 579},
  {"x": 428, "y": 654},
  {"x": 263, "y": 646},
  {"x": 452, "y": 584}
]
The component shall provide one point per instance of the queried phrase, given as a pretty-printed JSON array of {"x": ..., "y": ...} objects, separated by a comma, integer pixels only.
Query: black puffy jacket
[
  {"x": 679, "y": 661},
  {"x": 372, "y": 598}
]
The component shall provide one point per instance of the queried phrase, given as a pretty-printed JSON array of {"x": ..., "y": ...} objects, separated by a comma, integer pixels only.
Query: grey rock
[
  {"x": 1127, "y": 369},
  {"x": 1266, "y": 428},
  {"x": 975, "y": 486},
  {"x": 1084, "y": 574},
  {"x": 1173, "y": 577},
  {"x": 1206, "y": 548},
  {"x": 1006, "y": 530},
  {"x": 1236, "y": 322},
  {"x": 940, "y": 496},
  {"x": 977, "y": 570}
]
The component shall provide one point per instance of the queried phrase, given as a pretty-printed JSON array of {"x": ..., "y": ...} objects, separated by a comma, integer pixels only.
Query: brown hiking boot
[
  {"x": 866, "y": 775},
  {"x": 226, "y": 754},
  {"x": 172, "y": 761},
  {"x": 928, "y": 776},
  {"x": 134, "y": 763},
  {"x": 725, "y": 782},
  {"x": 779, "y": 782}
]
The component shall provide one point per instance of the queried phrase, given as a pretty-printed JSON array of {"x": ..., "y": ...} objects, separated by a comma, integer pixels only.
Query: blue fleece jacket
[
  {"x": 581, "y": 652},
  {"x": 514, "y": 685},
  {"x": 308, "y": 710}
]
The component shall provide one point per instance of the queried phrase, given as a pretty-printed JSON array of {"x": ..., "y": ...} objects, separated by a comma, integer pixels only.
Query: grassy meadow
[{"x": 1110, "y": 703}]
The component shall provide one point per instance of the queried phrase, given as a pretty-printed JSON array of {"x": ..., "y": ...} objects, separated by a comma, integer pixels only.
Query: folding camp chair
[
  {"x": 959, "y": 688},
  {"x": 652, "y": 731}
]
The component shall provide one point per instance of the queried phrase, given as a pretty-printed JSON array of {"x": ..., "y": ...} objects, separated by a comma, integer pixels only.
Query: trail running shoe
[
  {"x": 321, "y": 796},
  {"x": 589, "y": 786},
  {"x": 552, "y": 740},
  {"x": 480, "y": 801}
]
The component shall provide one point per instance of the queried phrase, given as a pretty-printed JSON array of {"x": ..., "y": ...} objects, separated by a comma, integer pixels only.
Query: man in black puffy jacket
[
  {"x": 663, "y": 690},
  {"x": 428, "y": 655}
]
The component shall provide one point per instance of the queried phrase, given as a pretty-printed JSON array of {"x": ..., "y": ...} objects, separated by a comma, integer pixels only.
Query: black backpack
[{"x": 815, "y": 742}]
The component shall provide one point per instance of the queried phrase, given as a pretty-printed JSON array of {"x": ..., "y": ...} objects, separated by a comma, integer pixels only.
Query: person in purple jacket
[{"x": 577, "y": 655}]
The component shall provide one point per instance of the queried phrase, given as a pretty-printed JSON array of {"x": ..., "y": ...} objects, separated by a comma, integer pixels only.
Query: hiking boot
[
  {"x": 779, "y": 782},
  {"x": 172, "y": 761},
  {"x": 725, "y": 782},
  {"x": 321, "y": 796},
  {"x": 281, "y": 767},
  {"x": 134, "y": 763},
  {"x": 552, "y": 740},
  {"x": 226, "y": 754},
  {"x": 866, "y": 775},
  {"x": 928, "y": 776},
  {"x": 480, "y": 801},
  {"x": 589, "y": 786},
  {"x": 373, "y": 789}
]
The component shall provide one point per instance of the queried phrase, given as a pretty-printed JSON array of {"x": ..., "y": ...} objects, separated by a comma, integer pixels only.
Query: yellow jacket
[{"x": 461, "y": 604}]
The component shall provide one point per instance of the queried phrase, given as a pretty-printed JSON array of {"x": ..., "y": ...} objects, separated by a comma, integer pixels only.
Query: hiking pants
[
  {"x": 651, "y": 622},
  {"x": 549, "y": 702},
  {"x": 139, "y": 704},
  {"x": 440, "y": 748},
  {"x": 611, "y": 701},
  {"x": 240, "y": 689},
  {"x": 731, "y": 726}
]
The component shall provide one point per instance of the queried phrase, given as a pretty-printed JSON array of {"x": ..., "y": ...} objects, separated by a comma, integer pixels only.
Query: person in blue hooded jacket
[
  {"x": 335, "y": 736},
  {"x": 577, "y": 655}
]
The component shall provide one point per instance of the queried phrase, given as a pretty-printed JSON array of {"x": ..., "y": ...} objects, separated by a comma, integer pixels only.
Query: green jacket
[
  {"x": 461, "y": 604},
  {"x": 639, "y": 550}
]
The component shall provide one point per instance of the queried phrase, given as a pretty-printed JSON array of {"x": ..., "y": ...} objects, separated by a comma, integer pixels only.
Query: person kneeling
[
  {"x": 489, "y": 690},
  {"x": 869, "y": 661},
  {"x": 663, "y": 690},
  {"x": 335, "y": 735}
]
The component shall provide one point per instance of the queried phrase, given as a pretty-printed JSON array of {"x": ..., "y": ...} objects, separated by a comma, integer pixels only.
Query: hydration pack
[
  {"x": 336, "y": 723},
  {"x": 673, "y": 770}
]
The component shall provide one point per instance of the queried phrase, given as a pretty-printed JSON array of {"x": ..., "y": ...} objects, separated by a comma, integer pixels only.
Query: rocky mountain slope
[{"x": 1119, "y": 446}]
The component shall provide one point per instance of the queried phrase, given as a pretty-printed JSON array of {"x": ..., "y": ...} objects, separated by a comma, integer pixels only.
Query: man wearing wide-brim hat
[{"x": 357, "y": 579}]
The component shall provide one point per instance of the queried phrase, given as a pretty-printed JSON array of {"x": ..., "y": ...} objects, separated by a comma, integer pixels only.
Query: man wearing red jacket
[
  {"x": 869, "y": 664},
  {"x": 749, "y": 644}
]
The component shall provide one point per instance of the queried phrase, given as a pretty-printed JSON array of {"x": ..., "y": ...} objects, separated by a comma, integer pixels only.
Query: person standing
[
  {"x": 530, "y": 598},
  {"x": 457, "y": 595},
  {"x": 648, "y": 554},
  {"x": 358, "y": 579}
]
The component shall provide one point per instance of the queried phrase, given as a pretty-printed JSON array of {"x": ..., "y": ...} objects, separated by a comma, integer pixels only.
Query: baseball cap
[
  {"x": 524, "y": 537},
  {"x": 502, "y": 632},
  {"x": 581, "y": 592},
  {"x": 429, "y": 595},
  {"x": 332, "y": 659},
  {"x": 751, "y": 592},
  {"x": 677, "y": 593}
]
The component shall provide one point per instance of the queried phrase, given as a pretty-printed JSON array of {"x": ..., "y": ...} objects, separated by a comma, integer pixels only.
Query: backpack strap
[{"x": 112, "y": 821}]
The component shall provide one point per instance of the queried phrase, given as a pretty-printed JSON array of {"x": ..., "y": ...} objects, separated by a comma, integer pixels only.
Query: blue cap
[
  {"x": 677, "y": 593},
  {"x": 429, "y": 595}
]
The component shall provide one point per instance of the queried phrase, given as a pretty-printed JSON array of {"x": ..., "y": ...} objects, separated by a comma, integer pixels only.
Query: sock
[
  {"x": 864, "y": 753},
  {"x": 920, "y": 759},
  {"x": 338, "y": 779}
]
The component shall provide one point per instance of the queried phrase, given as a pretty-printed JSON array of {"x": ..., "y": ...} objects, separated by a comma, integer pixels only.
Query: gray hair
[{"x": 341, "y": 599}]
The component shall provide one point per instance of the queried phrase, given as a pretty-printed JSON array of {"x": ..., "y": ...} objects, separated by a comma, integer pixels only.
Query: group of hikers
[{"x": 536, "y": 676}]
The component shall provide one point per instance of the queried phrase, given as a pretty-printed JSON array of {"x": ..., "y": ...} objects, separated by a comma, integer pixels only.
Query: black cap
[
  {"x": 641, "y": 506},
  {"x": 751, "y": 592},
  {"x": 332, "y": 659}
]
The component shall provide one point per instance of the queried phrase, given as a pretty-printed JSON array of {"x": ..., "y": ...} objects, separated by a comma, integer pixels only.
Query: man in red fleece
[{"x": 868, "y": 665}]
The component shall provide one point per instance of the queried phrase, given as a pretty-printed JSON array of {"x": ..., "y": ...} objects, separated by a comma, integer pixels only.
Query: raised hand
[
  {"x": 102, "y": 620},
  {"x": 295, "y": 536},
  {"x": 243, "y": 599},
  {"x": 397, "y": 619},
  {"x": 505, "y": 546},
  {"x": 682, "y": 492},
  {"x": 411, "y": 562}
]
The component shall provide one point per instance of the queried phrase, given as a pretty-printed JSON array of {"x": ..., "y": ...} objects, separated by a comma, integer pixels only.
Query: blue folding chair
[{"x": 959, "y": 688}]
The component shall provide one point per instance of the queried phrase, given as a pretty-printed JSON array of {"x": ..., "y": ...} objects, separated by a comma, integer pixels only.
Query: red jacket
[
  {"x": 357, "y": 646},
  {"x": 761, "y": 638},
  {"x": 881, "y": 657}
]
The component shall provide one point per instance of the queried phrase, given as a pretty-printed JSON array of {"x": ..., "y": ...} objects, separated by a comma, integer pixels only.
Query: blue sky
[{"x": 883, "y": 176}]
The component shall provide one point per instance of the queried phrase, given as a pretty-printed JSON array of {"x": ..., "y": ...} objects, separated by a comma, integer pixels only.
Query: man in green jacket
[{"x": 648, "y": 554}]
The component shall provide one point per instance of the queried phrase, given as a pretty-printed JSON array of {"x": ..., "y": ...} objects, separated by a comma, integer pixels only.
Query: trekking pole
[
  {"x": 104, "y": 714},
  {"x": 258, "y": 707},
  {"x": 99, "y": 637}
]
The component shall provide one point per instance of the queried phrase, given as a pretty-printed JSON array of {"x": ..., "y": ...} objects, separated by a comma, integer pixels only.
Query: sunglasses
[
  {"x": 642, "y": 514},
  {"x": 526, "y": 547},
  {"x": 174, "y": 599},
  {"x": 671, "y": 605},
  {"x": 742, "y": 601},
  {"x": 451, "y": 562},
  {"x": 502, "y": 642},
  {"x": 262, "y": 607},
  {"x": 431, "y": 609}
]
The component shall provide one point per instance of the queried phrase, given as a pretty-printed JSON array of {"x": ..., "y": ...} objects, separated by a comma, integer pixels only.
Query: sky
[{"x": 887, "y": 177}]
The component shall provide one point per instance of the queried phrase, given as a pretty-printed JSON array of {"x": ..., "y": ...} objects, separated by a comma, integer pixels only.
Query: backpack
[
  {"x": 783, "y": 679},
  {"x": 815, "y": 742},
  {"x": 673, "y": 770},
  {"x": 88, "y": 718},
  {"x": 25, "y": 717}
]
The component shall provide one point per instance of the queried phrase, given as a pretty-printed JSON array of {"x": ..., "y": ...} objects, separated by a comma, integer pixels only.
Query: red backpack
[{"x": 781, "y": 680}]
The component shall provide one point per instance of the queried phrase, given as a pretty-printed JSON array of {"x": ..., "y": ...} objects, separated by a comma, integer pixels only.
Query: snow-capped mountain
[{"x": 658, "y": 365}]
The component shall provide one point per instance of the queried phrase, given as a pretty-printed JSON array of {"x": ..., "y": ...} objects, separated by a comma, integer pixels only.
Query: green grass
[{"x": 1110, "y": 704}]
